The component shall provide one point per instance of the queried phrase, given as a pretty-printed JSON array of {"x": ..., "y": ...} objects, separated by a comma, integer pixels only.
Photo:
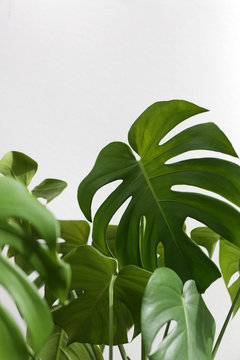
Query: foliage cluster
[{"x": 148, "y": 272}]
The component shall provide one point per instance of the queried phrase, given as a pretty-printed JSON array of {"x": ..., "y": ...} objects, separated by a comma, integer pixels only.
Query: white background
[{"x": 75, "y": 74}]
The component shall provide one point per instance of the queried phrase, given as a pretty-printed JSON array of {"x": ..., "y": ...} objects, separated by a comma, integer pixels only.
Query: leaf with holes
[
  {"x": 165, "y": 298},
  {"x": 57, "y": 348},
  {"x": 86, "y": 319},
  {"x": 148, "y": 184},
  {"x": 229, "y": 257}
]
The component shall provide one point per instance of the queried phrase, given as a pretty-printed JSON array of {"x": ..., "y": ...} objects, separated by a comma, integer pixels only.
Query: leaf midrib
[{"x": 155, "y": 198}]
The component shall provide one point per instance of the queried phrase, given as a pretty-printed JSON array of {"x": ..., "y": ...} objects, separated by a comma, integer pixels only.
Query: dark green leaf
[
  {"x": 166, "y": 299},
  {"x": 148, "y": 184},
  {"x": 49, "y": 189},
  {"x": 86, "y": 318},
  {"x": 205, "y": 237},
  {"x": 229, "y": 256},
  {"x": 18, "y": 166}
]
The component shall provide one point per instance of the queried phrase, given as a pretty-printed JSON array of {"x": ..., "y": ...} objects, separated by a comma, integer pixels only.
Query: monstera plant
[{"x": 148, "y": 271}]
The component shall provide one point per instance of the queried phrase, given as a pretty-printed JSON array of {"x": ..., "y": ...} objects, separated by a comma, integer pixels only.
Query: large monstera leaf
[{"x": 148, "y": 183}]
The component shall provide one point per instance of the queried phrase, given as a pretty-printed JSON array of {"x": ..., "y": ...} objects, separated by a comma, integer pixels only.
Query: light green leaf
[
  {"x": 205, "y": 237},
  {"x": 18, "y": 166},
  {"x": 57, "y": 348},
  {"x": 229, "y": 257},
  {"x": 148, "y": 184},
  {"x": 49, "y": 189},
  {"x": 17, "y": 203},
  {"x": 166, "y": 299},
  {"x": 74, "y": 232},
  {"x": 86, "y": 319},
  {"x": 32, "y": 308}
]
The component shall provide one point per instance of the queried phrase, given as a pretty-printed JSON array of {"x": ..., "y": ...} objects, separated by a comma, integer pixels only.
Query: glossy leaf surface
[
  {"x": 166, "y": 299},
  {"x": 229, "y": 257},
  {"x": 148, "y": 184},
  {"x": 86, "y": 319},
  {"x": 48, "y": 189},
  {"x": 57, "y": 348}
]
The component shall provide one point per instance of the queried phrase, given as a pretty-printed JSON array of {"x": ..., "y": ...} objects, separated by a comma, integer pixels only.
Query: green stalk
[
  {"x": 122, "y": 352},
  {"x": 143, "y": 353},
  {"x": 220, "y": 336},
  {"x": 111, "y": 316}
]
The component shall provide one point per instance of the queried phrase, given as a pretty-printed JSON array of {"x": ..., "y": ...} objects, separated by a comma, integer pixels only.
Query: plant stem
[
  {"x": 143, "y": 353},
  {"x": 111, "y": 316},
  {"x": 220, "y": 336},
  {"x": 166, "y": 330},
  {"x": 122, "y": 352}
]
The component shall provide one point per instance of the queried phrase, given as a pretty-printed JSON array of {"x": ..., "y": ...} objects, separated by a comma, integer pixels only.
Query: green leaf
[
  {"x": 148, "y": 184},
  {"x": 49, "y": 189},
  {"x": 57, "y": 348},
  {"x": 166, "y": 299},
  {"x": 17, "y": 203},
  {"x": 86, "y": 319},
  {"x": 18, "y": 166},
  {"x": 205, "y": 237},
  {"x": 32, "y": 308},
  {"x": 74, "y": 232},
  {"x": 229, "y": 257}
]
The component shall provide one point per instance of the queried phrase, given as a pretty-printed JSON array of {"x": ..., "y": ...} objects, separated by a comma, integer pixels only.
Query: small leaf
[
  {"x": 205, "y": 237},
  {"x": 229, "y": 256},
  {"x": 18, "y": 166},
  {"x": 86, "y": 319},
  {"x": 166, "y": 299},
  {"x": 74, "y": 232},
  {"x": 49, "y": 189}
]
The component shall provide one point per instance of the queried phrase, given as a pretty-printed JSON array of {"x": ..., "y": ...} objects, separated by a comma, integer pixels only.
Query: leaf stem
[
  {"x": 111, "y": 316},
  {"x": 143, "y": 353},
  {"x": 220, "y": 336},
  {"x": 122, "y": 352}
]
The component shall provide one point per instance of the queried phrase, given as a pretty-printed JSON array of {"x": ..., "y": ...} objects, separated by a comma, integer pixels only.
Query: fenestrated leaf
[
  {"x": 148, "y": 183},
  {"x": 49, "y": 189},
  {"x": 166, "y": 299},
  {"x": 205, "y": 237},
  {"x": 17, "y": 202},
  {"x": 229, "y": 257},
  {"x": 86, "y": 319},
  {"x": 32, "y": 308},
  {"x": 57, "y": 348},
  {"x": 18, "y": 166},
  {"x": 74, "y": 232}
]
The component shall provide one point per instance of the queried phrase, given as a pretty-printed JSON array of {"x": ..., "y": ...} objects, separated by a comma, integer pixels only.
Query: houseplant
[{"x": 147, "y": 271}]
